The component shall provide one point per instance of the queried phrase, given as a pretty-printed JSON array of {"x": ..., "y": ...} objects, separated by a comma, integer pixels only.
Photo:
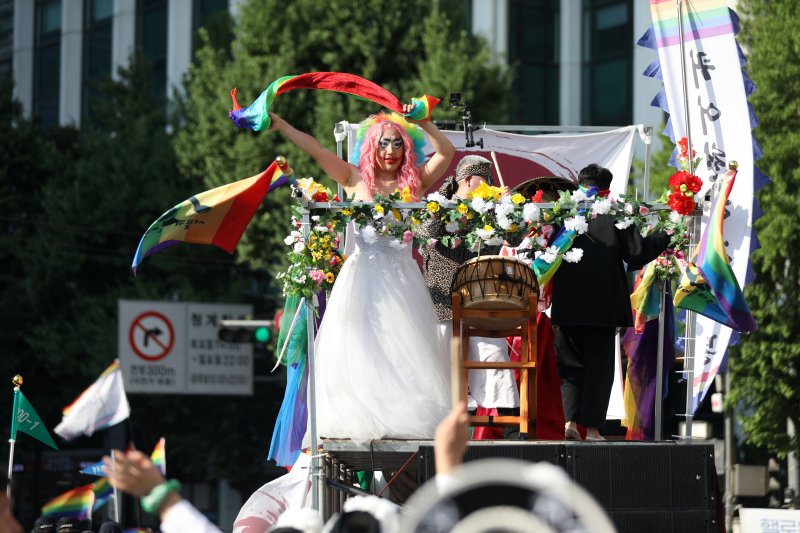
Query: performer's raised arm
[
  {"x": 339, "y": 170},
  {"x": 436, "y": 166}
]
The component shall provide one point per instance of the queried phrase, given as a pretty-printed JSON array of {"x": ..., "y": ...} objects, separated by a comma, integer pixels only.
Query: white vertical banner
[{"x": 720, "y": 128}]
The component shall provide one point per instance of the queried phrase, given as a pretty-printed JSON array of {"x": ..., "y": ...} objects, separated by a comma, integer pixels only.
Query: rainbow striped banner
[
  {"x": 704, "y": 19},
  {"x": 218, "y": 217},
  {"x": 159, "y": 456},
  {"x": 256, "y": 115},
  {"x": 709, "y": 286},
  {"x": 75, "y": 503}
]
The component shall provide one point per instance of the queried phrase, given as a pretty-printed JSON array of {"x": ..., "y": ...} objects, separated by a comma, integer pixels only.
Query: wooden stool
[{"x": 526, "y": 365}]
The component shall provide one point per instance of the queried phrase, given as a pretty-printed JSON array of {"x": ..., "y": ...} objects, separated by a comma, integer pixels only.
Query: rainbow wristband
[{"x": 152, "y": 501}]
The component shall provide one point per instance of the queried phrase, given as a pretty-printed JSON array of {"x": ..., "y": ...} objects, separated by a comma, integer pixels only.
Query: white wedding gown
[{"x": 381, "y": 368}]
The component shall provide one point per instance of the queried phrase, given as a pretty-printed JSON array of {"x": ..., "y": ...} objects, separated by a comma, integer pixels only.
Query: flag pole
[
  {"x": 17, "y": 381},
  {"x": 691, "y": 318}
]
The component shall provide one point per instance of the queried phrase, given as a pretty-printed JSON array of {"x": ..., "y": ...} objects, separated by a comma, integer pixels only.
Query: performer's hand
[
  {"x": 451, "y": 439},
  {"x": 276, "y": 122},
  {"x": 132, "y": 472},
  {"x": 407, "y": 109}
]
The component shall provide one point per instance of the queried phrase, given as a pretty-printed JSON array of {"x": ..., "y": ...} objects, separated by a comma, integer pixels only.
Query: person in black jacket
[{"x": 591, "y": 300}]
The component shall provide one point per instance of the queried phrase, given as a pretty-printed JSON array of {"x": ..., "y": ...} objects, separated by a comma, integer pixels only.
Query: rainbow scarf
[
  {"x": 75, "y": 503},
  {"x": 159, "y": 456},
  {"x": 709, "y": 286},
  {"x": 217, "y": 217},
  {"x": 256, "y": 115},
  {"x": 645, "y": 298}
]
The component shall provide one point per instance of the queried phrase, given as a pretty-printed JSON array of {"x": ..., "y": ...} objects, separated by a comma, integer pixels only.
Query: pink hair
[{"x": 408, "y": 173}]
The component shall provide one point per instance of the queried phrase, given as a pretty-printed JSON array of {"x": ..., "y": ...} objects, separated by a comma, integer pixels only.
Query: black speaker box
[{"x": 644, "y": 487}]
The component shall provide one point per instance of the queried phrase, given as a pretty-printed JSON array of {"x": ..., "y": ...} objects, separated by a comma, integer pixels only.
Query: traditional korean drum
[{"x": 494, "y": 283}]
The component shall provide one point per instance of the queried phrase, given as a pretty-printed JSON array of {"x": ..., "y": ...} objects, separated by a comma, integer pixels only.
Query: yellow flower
[
  {"x": 329, "y": 277},
  {"x": 414, "y": 221},
  {"x": 470, "y": 215},
  {"x": 379, "y": 209},
  {"x": 433, "y": 207},
  {"x": 405, "y": 194},
  {"x": 347, "y": 211},
  {"x": 462, "y": 208},
  {"x": 397, "y": 216},
  {"x": 513, "y": 227},
  {"x": 488, "y": 227},
  {"x": 487, "y": 192},
  {"x": 518, "y": 198}
]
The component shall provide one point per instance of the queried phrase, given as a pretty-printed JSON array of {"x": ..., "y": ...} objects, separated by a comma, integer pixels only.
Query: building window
[
  {"x": 6, "y": 38},
  {"x": 151, "y": 41},
  {"x": 98, "y": 15},
  {"x": 47, "y": 61},
  {"x": 607, "y": 77},
  {"x": 533, "y": 53},
  {"x": 215, "y": 17}
]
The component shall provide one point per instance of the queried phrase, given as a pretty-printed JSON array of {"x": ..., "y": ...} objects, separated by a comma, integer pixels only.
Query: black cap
[
  {"x": 110, "y": 527},
  {"x": 69, "y": 525},
  {"x": 44, "y": 524}
]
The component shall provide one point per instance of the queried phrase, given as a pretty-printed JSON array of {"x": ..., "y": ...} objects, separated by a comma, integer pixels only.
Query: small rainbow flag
[
  {"x": 159, "y": 456},
  {"x": 75, "y": 503},
  {"x": 103, "y": 491},
  {"x": 256, "y": 115},
  {"x": 701, "y": 19},
  {"x": 708, "y": 285},
  {"x": 217, "y": 217}
]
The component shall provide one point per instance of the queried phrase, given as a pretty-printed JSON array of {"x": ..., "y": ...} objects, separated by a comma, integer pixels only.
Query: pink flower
[
  {"x": 547, "y": 229},
  {"x": 629, "y": 209},
  {"x": 456, "y": 243},
  {"x": 317, "y": 275},
  {"x": 680, "y": 255},
  {"x": 643, "y": 210},
  {"x": 408, "y": 237}
]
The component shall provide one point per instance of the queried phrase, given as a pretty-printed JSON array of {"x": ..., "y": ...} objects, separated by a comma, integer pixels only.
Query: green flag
[{"x": 26, "y": 419}]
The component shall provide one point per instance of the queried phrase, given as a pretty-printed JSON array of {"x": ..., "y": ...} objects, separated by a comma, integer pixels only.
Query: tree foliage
[
  {"x": 764, "y": 367},
  {"x": 409, "y": 48}
]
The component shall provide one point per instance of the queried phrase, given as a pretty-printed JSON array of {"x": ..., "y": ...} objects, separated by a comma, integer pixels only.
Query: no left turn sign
[{"x": 151, "y": 336}]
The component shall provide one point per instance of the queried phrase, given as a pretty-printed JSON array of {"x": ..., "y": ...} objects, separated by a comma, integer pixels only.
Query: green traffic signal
[{"x": 261, "y": 335}]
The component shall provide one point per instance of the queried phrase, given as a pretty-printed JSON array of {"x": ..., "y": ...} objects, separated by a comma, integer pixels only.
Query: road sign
[{"x": 172, "y": 348}]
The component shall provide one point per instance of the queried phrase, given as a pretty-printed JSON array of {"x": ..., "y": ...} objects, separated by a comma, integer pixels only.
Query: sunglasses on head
[{"x": 396, "y": 143}]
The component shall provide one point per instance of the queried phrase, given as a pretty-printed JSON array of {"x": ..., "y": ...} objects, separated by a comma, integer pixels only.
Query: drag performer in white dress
[{"x": 381, "y": 371}]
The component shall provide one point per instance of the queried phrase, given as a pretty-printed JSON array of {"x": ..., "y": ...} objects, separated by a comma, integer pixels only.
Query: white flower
[
  {"x": 576, "y": 223},
  {"x": 502, "y": 209},
  {"x": 494, "y": 241},
  {"x": 550, "y": 255},
  {"x": 475, "y": 246},
  {"x": 368, "y": 232},
  {"x": 480, "y": 205},
  {"x": 322, "y": 229},
  {"x": 451, "y": 226},
  {"x": 504, "y": 222},
  {"x": 601, "y": 206},
  {"x": 629, "y": 209},
  {"x": 579, "y": 196},
  {"x": 299, "y": 246},
  {"x": 484, "y": 234},
  {"x": 292, "y": 238},
  {"x": 573, "y": 256},
  {"x": 530, "y": 213},
  {"x": 541, "y": 240},
  {"x": 622, "y": 224},
  {"x": 675, "y": 217},
  {"x": 440, "y": 199},
  {"x": 315, "y": 218}
]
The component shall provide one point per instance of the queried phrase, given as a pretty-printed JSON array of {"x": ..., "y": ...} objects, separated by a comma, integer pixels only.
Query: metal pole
[
  {"x": 10, "y": 467},
  {"x": 648, "y": 139},
  {"x": 685, "y": 86},
  {"x": 312, "y": 391},
  {"x": 660, "y": 362},
  {"x": 730, "y": 449},
  {"x": 17, "y": 381}
]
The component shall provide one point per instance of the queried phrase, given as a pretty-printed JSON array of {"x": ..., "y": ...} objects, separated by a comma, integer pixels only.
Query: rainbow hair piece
[
  {"x": 256, "y": 115},
  {"x": 412, "y": 130}
]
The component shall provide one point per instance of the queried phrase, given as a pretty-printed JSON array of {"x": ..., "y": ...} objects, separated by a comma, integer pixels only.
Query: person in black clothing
[{"x": 591, "y": 300}]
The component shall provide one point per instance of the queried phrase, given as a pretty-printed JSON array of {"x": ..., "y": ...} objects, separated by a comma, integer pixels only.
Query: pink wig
[{"x": 407, "y": 174}]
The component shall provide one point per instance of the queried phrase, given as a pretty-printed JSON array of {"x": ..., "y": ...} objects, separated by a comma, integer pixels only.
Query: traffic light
[{"x": 255, "y": 331}]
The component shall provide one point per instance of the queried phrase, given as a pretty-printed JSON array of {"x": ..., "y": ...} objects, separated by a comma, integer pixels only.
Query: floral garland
[{"x": 489, "y": 217}]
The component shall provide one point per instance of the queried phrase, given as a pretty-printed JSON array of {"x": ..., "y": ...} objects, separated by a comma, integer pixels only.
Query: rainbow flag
[
  {"x": 705, "y": 18},
  {"x": 256, "y": 115},
  {"x": 159, "y": 456},
  {"x": 75, "y": 503},
  {"x": 646, "y": 296},
  {"x": 217, "y": 217},
  {"x": 103, "y": 491},
  {"x": 709, "y": 286}
]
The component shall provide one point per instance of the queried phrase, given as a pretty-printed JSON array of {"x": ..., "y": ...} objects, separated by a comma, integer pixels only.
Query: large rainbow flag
[
  {"x": 75, "y": 503},
  {"x": 709, "y": 286},
  {"x": 217, "y": 217},
  {"x": 256, "y": 115}
]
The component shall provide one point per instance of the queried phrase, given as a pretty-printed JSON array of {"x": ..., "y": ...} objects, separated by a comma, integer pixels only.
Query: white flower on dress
[
  {"x": 624, "y": 223},
  {"x": 601, "y": 206},
  {"x": 530, "y": 213},
  {"x": 440, "y": 199},
  {"x": 451, "y": 226},
  {"x": 579, "y": 196},
  {"x": 573, "y": 256},
  {"x": 577, "y": 224},
  {"x": 368, "y": 232}
]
